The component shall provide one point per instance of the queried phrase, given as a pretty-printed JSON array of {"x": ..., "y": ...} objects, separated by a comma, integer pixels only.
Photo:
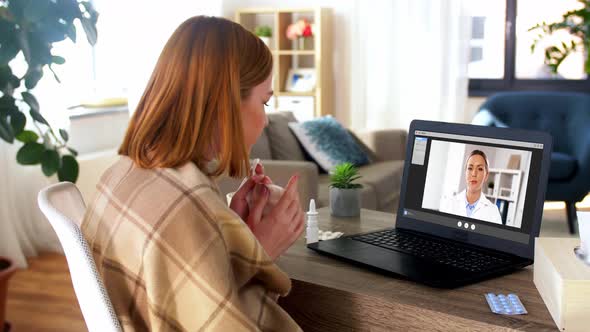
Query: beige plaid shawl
[{"x": 174, "y": 257}]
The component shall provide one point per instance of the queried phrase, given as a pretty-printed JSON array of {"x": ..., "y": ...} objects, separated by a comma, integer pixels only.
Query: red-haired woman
[{"x": 172, "y": 254}]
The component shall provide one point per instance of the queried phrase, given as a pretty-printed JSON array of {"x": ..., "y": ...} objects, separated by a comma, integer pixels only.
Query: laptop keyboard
[{"x": 439, "y": 251}]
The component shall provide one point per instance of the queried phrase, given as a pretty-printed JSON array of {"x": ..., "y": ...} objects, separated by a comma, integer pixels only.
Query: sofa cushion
[
  {"x": 328, "y": 143},
  {"x": 562, "y": 166},
  {"x": 283, "y": 144},
  {"x": 385, "y": 177},
  {"x": 261, "y": 149}
]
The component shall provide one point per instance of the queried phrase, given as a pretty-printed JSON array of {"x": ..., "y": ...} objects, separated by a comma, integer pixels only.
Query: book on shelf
[{"x": 502, "y": 205}]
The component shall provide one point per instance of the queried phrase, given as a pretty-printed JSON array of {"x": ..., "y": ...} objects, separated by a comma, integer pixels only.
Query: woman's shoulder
[{"x": 152, "y": 191}]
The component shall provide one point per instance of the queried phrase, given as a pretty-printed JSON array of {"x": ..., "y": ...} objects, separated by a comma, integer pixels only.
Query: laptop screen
[{"x": 480, "y": 185}]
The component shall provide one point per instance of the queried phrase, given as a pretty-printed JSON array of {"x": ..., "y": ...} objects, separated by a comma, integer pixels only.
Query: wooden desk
[{"x": 330, "y": 295}]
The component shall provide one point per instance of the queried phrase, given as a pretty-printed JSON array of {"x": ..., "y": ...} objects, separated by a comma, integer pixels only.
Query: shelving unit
[
  {"x": 286, "y": 55},
  {"x": 506, "y": 189}
]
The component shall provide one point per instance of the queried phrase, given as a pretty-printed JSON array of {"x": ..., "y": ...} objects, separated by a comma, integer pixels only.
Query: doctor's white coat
[{"x": 484, "y": 210}]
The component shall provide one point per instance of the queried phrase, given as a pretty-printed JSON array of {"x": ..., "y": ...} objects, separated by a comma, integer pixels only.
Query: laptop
[{"x": 498, "y": 174}]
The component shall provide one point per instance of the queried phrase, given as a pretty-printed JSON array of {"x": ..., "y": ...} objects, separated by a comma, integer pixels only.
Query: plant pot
[
  {"x": 7, "y": 268},
  {"x": 266, "y": 41},
  {"x": 345, "y": 202}
]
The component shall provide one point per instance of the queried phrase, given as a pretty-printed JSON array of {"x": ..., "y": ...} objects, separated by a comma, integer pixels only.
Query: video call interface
[{"x": 481, "y": 185}]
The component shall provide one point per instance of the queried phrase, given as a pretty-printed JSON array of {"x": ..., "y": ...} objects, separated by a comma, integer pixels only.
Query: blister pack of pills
[{"x": 505, "y": 304}]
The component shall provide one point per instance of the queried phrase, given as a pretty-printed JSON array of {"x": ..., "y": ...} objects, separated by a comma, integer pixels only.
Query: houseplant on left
[{"x": 30, "y": 27}]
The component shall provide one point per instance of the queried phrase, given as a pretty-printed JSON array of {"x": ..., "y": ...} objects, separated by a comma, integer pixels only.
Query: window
[
  {"x": 500, "y": 48},
  {"x": 131, "y": 35}
]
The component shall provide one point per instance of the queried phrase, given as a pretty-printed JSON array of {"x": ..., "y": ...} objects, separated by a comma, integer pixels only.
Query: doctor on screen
[{"x": 471, "y": 202}]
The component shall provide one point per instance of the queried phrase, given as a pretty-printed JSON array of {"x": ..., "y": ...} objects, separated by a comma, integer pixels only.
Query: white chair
[{"x": 64, "y": 206}]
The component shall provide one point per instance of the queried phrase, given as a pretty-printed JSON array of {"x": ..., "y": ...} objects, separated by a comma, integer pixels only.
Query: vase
[
  {"x": 305, "y": 43},
  {"x": 7, "y": 268},
  {"x": 345, "y": 202},
  {"x": 266, "y": 41}
]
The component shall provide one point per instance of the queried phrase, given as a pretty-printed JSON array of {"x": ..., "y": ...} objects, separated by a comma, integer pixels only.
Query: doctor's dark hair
[
  {"x": 479, "y": 153},
  {"x": 190, "y": 108}
]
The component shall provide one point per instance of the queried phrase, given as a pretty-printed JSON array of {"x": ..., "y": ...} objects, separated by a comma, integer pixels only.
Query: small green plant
[
  {"x": 263, "y": 31},
  {"x": 344, "y": 175}
]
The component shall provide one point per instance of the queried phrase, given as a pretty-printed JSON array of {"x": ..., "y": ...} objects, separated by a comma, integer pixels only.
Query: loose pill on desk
[{"x": 505, "y": 305}]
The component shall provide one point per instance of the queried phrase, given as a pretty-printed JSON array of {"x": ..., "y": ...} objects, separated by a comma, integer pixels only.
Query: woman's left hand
[{"x": 238, "y": 202}]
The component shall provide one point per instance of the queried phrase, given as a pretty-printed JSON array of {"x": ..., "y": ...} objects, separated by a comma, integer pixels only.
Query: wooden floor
[{"x": 42, "y": 298}]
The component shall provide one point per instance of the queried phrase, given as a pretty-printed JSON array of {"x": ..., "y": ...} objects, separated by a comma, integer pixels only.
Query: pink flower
[
  {"x": 301, "y": 28},
  {"x": 293, "y": 32}
]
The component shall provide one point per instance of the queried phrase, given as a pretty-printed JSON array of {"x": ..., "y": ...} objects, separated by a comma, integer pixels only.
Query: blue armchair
[{"x": 566, "y": 116}]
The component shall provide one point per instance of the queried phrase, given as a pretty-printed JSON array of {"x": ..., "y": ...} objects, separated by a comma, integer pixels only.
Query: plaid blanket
[{"x": 174, "y": 257}]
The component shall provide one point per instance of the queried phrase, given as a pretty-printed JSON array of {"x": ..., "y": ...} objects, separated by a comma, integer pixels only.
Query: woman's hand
[
  {"x": 279, "y": 229},
  {"x": 238, "y": 202}
]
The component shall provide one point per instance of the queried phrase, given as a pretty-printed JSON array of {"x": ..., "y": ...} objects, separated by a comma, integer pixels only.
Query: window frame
[{"x": 479, "y": 87}]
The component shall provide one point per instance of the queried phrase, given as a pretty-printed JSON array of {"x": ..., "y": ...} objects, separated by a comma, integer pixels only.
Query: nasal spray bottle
[{"x": 312, "y": 231}]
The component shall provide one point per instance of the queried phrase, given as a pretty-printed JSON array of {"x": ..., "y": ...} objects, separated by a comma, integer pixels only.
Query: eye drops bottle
[{"x": 312, "y": 231}]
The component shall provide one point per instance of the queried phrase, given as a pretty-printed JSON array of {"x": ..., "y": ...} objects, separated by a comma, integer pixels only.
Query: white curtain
[
  {"x": 409, "y": 62},
  {"x": 24, "y": 231}
]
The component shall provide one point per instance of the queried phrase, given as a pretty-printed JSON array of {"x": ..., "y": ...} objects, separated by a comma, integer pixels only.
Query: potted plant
[
  {"x": 30, "y": 28},
  {"x": 577, "y": 24},
  {"x": 264, "y": 32},
  {"x": 345, "y": 196},
  {"x": 7, "y": 268}
]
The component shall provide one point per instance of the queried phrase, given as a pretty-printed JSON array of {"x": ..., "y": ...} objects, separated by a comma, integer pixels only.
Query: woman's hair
[
  {"x": 479, "y": 153},
  {"x": 190, "y": 109}
]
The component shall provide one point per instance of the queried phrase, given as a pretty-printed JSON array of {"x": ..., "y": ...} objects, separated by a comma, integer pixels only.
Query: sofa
[
  {"x": 282, "y": 156},
  {"x": 566, "y": 116}
]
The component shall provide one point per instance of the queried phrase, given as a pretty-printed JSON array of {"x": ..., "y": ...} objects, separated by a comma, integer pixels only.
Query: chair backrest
[
  {"x": 64, "y": 207},
  {"x": 565, "y": 115}
]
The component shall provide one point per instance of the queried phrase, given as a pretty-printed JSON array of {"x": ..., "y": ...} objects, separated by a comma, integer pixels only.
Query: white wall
[{"x": 342, "y": 25}]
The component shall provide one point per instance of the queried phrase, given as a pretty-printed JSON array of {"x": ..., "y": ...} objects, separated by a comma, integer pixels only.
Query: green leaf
[
  {"x": 10, "y": 49},
  {"x": 30, "y": 100},
  {"x": 7, "y": 105},
  {"x": 32, "y": 77},
  {"x": 71, "y": 32},
  {"x": 5, "y": 75},
  {"x": 18, "y": 121},
  {"x": 50, "y": 162},
  {"x": 69, "y": 169},
  {"x": 64, "y": 135},
  {"x": 35, "y": 10},
  {"x": 27, "y": 136},
  {"x": 30, "y": 153},
  {"x": 73, "y": 151},
  {"x": 6, "y": 130},
  {"x": 90, "y": 29},
  {"x": 38, "y": 117},
  {"x": 58, "y": 60}
]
